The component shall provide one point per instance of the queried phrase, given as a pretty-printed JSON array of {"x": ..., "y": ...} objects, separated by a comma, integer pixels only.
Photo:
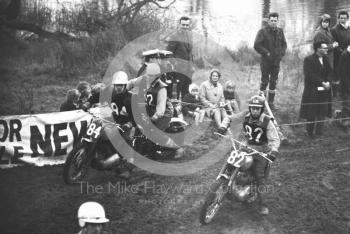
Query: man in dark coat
[
  {"x": 317, "y": 90},
  {"x": 340, "y": 33},
  {"x": 180, "y": 43},
  {"x": 271, "y": 44},
  {"x": 344, "y": 73}
]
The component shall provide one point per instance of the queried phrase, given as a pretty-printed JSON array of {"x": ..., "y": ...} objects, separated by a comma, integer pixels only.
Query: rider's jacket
[
  {"x": 152, "y": 96},
  {"x": 121, "y": 106},
  {"x": 261, "y": 131},
  {"x": 155, "y": 96}
]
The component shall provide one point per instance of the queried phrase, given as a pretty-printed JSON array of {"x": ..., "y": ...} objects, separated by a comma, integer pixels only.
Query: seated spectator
[
  {"x": 231, "y": 98},
  {"x": 71, "y": 102},
  {"x": 192, "y": 105},
  {"x": 85, "y": 92},
  {"x": 96, "y": 89},
  {"x": 211, "y": 94}
]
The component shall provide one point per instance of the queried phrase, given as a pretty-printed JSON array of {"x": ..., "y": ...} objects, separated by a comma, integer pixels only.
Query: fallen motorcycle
[
  {"x": 235, "y": 182},
  {"x": 94, "y": 151},
  {"x": 147, "y": 148}
]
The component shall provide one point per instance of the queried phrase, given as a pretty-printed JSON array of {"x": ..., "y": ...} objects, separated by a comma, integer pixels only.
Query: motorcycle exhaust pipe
[{"x": 108, "y": 163}]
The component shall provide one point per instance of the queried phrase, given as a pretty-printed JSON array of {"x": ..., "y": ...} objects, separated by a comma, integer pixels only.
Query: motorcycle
[
  {"x": 152, "y": 150},
  {"x": 93, "y": 151},
  {"x": 235, "y": 181}
]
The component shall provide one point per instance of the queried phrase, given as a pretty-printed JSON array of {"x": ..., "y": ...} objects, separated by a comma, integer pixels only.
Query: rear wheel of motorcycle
[
  {"x": 76, "y": 165},
  {"x": 213, "y": 201}
]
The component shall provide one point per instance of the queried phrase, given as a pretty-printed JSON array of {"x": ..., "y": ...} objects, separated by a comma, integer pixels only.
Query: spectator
[
  {"x": 341, "y": 33},
  {"x": 315, "y": 103},
  {"x": 344, "y": 72},
  {"x": 71, "y": 102},
  {"x": 323, "y": 33},
  {"x": 271, "y": 44},
  {"x": 192, "y": 105},
  {"x": 85, "y": 92},
  {"x": 180, "y": 43},
  {"x": 96, "y": 89},
  {"x": 211, "y": 94},
  {"x": 231, "y": 98},
  {"x": 91, "y": 217}
]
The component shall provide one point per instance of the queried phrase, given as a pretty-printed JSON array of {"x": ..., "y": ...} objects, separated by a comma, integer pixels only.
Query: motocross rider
[
  {"x": 262, "y": 135},
  {"x": 158, "y": 106},
  {"x": 122, "y": 112},
  {"x": 91, "y": 218}
]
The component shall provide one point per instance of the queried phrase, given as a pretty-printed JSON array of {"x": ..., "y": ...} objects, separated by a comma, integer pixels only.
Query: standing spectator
[
  {"x": 271, "y": 44},
  {"x": 71, "y": 102},
  {"x": 323, "y": 33},
  {"x": 211, "y": 94},
  {"x": 91, "y": 217},
  {"x": 341, "y": 33},
  {"x": 231, "y": 97},
  {"x": 180, "y": 43},
  {"x": 317, "y": 90},
  {"x": 192, "y": 105},
  {"x": 85, "y": 92},
  {"x": 344, "y": 72}
]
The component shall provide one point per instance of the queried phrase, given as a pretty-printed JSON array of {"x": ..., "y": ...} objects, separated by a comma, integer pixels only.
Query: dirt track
[{"x": 310, "y": 195}]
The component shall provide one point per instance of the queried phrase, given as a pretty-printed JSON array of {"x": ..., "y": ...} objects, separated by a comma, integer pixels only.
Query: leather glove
[{"x": 272, "y": 156}]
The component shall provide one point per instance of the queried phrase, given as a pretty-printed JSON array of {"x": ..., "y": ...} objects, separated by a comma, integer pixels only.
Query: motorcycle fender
[{"x": 224, "y": 176}]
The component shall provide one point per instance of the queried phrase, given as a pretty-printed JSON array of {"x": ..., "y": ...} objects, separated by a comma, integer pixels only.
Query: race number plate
[
  {"x": 94, "y": 130},
  {"x": 236, "y": 158}
]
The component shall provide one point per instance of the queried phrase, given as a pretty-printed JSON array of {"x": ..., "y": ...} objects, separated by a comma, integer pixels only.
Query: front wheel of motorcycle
[
  {"x": 213, "y": 201},
  {"x": 76, "y": 165}
]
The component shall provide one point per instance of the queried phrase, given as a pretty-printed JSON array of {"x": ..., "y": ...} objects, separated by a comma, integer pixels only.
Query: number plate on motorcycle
[
  {"x": 94, "y": 129},
  {"x": 235, "y": 158}
]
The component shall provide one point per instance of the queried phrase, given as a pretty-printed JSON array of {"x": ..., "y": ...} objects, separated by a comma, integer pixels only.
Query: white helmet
[
  {"x": 120, "y": 77},
  {"x": 91, "y": 212},
  {"x": 152, "y": 69}
]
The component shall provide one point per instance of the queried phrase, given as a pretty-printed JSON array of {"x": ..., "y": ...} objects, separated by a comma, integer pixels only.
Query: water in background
[{"x": 233, "y": 22}]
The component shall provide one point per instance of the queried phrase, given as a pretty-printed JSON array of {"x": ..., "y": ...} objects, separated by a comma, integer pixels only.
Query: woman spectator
[
  {"x": 323, "y": 33},
  {"x": 211, "y": 94}
]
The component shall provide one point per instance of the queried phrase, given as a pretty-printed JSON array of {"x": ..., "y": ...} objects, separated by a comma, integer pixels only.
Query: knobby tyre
[
  {"x": 76, "y": 165},
  {"x": 213, "y": 201}
]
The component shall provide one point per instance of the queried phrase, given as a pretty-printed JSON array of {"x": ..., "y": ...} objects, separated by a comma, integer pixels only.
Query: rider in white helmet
[
  {"x": 122, "y": 111},
  {"x": 91, "y": 217}
]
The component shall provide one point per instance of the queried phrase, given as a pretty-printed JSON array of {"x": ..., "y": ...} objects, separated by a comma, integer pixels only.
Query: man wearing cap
[
  {"x": 158, "y": 106},
  {"x": 161, "y": 57}
]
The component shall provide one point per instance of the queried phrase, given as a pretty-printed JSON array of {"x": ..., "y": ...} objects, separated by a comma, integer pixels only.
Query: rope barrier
[
  {"x": 316, "y": 121},
  {"x": 317, "y": 103}
]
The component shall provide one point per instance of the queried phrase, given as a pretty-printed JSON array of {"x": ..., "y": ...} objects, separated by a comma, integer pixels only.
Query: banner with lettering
[{"x": 51, "y": 136}]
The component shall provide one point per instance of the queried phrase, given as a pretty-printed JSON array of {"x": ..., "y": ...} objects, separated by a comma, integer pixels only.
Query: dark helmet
[{"x": 257, "y": 101}]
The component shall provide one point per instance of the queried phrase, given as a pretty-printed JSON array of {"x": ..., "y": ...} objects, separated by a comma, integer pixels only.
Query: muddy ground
[
  {"x": 310, "y": 194},
  {"x": 310, "y": 181}
]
